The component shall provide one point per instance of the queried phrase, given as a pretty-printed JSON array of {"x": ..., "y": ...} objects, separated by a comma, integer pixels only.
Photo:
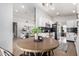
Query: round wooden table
[{"x": 28, "y": 45}]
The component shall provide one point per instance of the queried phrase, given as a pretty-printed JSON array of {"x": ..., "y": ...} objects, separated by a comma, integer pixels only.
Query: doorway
[{"x": 14, "y": 29}]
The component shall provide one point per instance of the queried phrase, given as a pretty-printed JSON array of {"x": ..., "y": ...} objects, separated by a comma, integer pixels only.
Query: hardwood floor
[
  {"x": 71, "y": 51},
  {"x": 16, "y": 51}
]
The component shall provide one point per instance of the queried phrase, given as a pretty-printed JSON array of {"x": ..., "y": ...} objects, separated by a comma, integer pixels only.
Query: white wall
[
  {"x": 64, "y": 20},
  {"x": 21, "y": 26},
  {"x": 42, "y": 18},
  {"x": 6, "y": 35},
  {"x": 77, "y": 41},
  {"x": 21, "y": 22},
  {"x": 26, "y": 14}
]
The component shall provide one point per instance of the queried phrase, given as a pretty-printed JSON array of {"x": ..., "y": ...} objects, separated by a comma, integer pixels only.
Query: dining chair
[{"x": 4, "y": 52}]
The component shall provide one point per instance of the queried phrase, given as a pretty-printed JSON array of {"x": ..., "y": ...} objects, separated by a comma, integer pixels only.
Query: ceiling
[
  {"x": 26, "y": 10},
  {"x": 59, "y": 9}
]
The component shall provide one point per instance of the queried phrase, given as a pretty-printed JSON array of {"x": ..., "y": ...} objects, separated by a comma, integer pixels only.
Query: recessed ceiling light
[
  {"x": 57, "y": 13},
  {"x": 74, "y": 11},
  {"x": 16, "y": 10},
  {"x": 22, "y": 6},
  {"x": 53, "y": 8}
]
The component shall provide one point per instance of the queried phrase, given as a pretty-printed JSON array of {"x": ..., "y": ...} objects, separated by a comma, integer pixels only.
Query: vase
[{"x": 36, "y": 36}]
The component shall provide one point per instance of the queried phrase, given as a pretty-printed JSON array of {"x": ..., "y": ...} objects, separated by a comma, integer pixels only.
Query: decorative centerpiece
[{"x": 36, "y": 31}]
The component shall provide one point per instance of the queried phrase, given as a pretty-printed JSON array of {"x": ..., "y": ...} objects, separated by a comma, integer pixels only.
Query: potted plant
[{"x": 36, "y": 31}]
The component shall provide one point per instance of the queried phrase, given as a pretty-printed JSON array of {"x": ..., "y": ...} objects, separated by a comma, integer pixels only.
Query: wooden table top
[{"x": 31, "y": 46}]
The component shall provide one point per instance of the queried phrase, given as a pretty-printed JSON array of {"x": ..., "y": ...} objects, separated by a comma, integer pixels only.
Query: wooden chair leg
[
  {"x": 23, "y": 54},
  {"x": 47, "y": 53},
  {"x": 34, "y": 53},
  {"x": 42, "y": 53},
  {"x": 52, "y": 53}
]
